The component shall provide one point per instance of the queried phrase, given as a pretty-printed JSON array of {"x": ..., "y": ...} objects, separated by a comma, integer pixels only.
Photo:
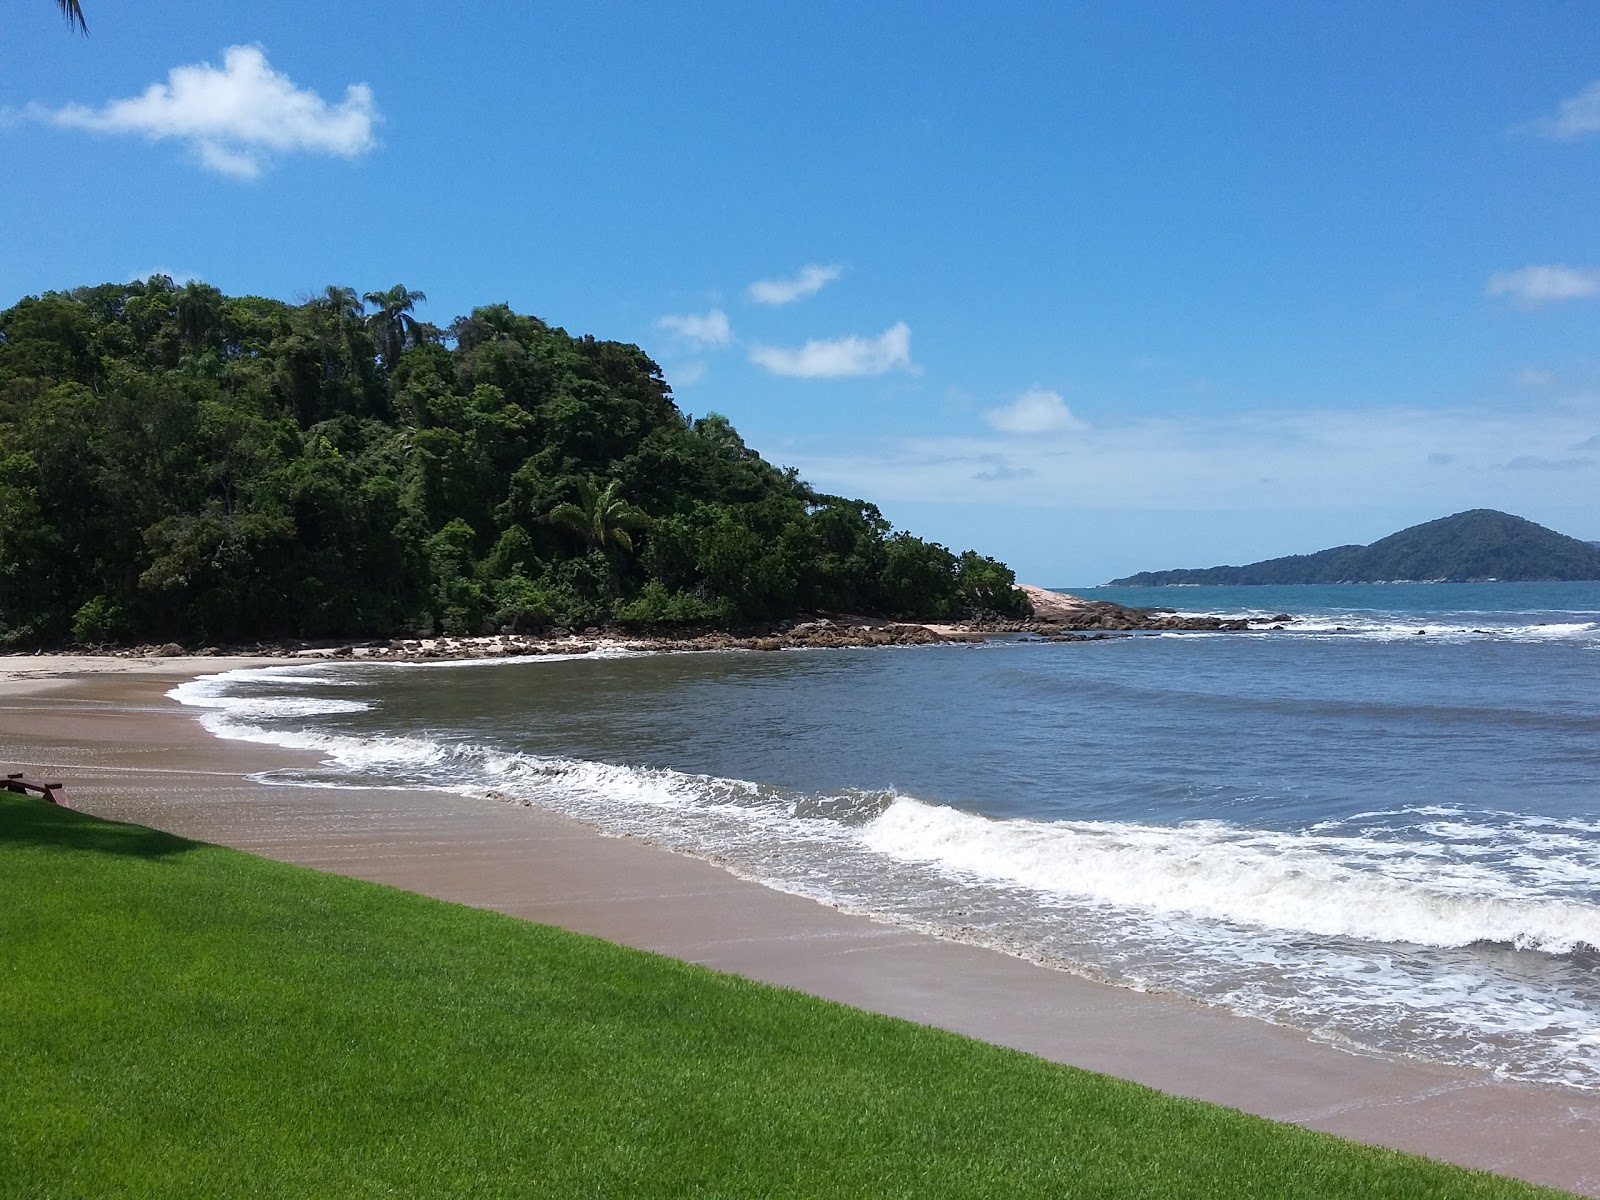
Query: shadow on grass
[{"x": 30, "y": 821}]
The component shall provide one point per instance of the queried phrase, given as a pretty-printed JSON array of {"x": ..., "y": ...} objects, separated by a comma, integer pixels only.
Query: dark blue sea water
[{"x": 1385, "y": 837}]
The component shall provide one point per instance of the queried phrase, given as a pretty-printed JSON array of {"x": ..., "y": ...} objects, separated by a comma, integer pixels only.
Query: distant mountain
[{"x": 1471, "y": 546}]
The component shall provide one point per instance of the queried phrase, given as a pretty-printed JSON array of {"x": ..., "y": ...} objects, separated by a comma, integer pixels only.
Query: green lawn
[{"x": 177, "y": 1019}]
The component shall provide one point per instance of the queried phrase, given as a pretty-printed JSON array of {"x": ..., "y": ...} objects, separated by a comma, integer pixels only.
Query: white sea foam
[
  {"x": 1465, "y": 884},
  {"x": 1363, "y": 888},
  {"x": 1228, "y": 914},
  {"x": 1455, "y": 626}
]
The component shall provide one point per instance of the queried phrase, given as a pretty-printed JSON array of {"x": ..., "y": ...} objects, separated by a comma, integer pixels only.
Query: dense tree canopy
[{"x": 177, "y": 463}]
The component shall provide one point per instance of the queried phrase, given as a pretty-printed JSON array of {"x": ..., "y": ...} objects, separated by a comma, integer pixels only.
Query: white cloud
[
  {"x": 703, "y": 329},
  {"x": 1035, "y": 411},
  {"x": 237, "y": 118},
  {"x": 1447, "y": 459},
  {"x": 1534, "y": 286},
  {"x": 687, "y": 374},
  {"x": 1575, "y": 117},
  {"x": 808, "y": 281},
  {"x": 841, "y": 356}
]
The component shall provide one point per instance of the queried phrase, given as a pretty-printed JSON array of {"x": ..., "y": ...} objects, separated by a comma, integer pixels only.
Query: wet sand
[{"x": 128, "y": 753}]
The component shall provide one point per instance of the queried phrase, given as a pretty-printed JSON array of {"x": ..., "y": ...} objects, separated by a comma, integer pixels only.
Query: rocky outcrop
[{"x": 1057, "y": 617}]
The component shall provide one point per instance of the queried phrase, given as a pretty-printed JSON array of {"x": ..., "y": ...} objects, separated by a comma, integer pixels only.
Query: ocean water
[{"x": 1380, "y": 824}]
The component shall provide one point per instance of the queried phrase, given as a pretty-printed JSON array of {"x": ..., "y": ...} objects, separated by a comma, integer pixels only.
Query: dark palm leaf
[{"x": 73, "y": 12}]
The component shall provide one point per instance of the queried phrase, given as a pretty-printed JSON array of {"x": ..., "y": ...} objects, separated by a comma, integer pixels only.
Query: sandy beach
[{"x": 105, "y": 728}]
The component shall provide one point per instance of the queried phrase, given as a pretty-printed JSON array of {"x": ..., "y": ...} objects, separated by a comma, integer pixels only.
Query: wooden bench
[{"x": 54, "y": 792}]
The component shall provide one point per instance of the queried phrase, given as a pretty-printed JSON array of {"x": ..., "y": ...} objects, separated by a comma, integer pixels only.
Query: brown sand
[{"x": 128, "y": 753}]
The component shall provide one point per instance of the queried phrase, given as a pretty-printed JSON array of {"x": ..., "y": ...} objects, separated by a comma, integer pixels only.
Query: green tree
[
  {"x": 393, "y": 326},
  {"x": 342, "y": 302},
  {"x": 987, "y": 586},
  {"x": 600, "y": 517},
  {"x": 179, "y": 464},
  {"x": 199, "y": 311}
]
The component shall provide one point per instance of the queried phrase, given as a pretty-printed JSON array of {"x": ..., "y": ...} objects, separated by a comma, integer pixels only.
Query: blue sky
[{"x": 1093, "y": 288}]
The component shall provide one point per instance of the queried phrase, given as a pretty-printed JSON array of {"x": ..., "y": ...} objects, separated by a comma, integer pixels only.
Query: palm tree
[
  {"x": 199, "y": 310},
  {"x": 73, "y": 12},
  {"x": 336, "y": 320},
  {"x": 392, "y": 326},
  {"x": 340, "y": 302},
  {"x": 601, "y": 516}
]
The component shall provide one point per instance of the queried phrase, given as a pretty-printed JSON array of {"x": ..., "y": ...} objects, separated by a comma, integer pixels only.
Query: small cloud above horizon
[
  {"x": 998, "y": 470},
  {"x": 807, "y": 281},
  {"x": 1532, "y": 462},
  {"x": 235, "y": 119},
  {"x": 839, "y": 358},
  {"x": 687, "y": 374},
  {"x": 1575, "y": 117},
  {"x": 703, "y": 329},
  {"x": 1035, "y": 411},
  {"x": 1458, "y": 458},
  {"x": 1534, "y": 287}
]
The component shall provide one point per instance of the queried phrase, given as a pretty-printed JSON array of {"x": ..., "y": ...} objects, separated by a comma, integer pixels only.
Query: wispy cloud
[
  {"x": 703, "y": 329},
  {"x": 236, "y": 119},
  {"x": 840, "y": 357},
  {"x": 1575, "y": 117},
  {"x": 1318, "y": 459},
  {"x": 687, "y": 374},
  {"x": 1533, "y": 287},
  {"x": 1533, "y": 462},
  {"x": 997, "y": 469},
  {"x": 807, "y": 281},
  {"x": 1035, "y": 411}
]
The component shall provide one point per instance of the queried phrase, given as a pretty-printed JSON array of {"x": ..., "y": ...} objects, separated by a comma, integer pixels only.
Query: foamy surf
[
  {"x": 1353, "y": 887},
  {"x": 1458, "y": 933}
]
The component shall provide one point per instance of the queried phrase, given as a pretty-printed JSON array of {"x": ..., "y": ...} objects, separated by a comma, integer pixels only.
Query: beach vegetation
[
  {"x": 98, "y": 621},
  {"x": 179, "y": 1019},
  {"x": 600, "y": 516},
  {"x": 215, "y": 468}
]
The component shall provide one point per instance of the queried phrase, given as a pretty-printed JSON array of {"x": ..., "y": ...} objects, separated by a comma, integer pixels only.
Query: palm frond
[
  {"x": 628, "y": 517},
  {"x": 73, "y": 12},
  {"x": 569, "y": 515}
]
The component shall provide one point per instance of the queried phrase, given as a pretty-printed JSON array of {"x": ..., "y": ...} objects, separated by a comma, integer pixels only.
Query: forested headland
[
  {"x": 1469, "y": 547},
  {"x": 180, "y": 464}
]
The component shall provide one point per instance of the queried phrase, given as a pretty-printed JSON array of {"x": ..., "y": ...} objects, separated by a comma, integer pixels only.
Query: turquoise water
[{"x": 1389, "y": 839}]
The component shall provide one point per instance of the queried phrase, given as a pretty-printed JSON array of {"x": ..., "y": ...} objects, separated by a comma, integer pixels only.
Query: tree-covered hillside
[
  {"x": 177, "y": 463},
  {"x": 1477, "y": 545}
]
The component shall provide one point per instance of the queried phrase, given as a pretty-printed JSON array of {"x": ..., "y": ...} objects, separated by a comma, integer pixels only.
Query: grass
[{"x": 178, "y": 1019}]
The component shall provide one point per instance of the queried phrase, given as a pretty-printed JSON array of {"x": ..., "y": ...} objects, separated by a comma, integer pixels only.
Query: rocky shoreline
[{"x": 1057, "y": 618}]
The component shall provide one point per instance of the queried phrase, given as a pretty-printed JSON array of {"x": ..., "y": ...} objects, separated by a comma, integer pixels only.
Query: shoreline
[
  {"x": 126, "y": 752},
  {"x": 1056, "y": 616}
]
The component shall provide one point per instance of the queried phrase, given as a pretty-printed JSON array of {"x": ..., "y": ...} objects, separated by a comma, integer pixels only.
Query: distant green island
[
  {"x": 178, "y": 464},
  {"x": 1469, "y": 547}
]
